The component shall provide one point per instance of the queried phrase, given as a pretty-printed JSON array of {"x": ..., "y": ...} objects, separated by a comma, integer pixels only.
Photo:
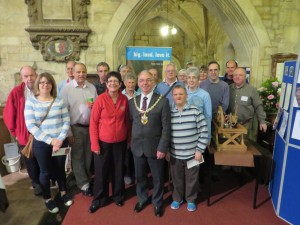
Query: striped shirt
[
  {"x": 188, "y": 132},
  {"x": 56, "y": 125}
]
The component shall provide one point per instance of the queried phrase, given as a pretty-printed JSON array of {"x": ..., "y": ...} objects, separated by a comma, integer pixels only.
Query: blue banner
[{"x": 148, "y": 53}]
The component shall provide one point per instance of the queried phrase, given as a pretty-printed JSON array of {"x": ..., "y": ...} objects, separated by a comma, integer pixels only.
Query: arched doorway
[{"x": 240, "y": 22}]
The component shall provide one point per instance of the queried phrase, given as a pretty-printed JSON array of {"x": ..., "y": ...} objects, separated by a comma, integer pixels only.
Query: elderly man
[
  {"x": 15, "y": 121},
  {"x": 217, "y": 89},
  {"x": 151, "y": 125},
  {"x": 165, "y": 87},
  {"x": 78, "y": 98},
  {"x": 69, "y": 68},
  {"x": 247, "y": 100},
  {"x": 231, "y": 65},
  {"x": 153, "y": 71},
  {"x": 102, "y": 71}
]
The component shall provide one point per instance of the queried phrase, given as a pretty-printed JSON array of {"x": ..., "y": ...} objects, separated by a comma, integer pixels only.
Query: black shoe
[
  {"x": 139, "y": 206},
  {"x": 38, "y": 190},
  {"x": 67, "y": 200},
  {"x": 87, "y": 192},
  {"x": 93, "y": 208},
  {"x": 51, "y": 206},
  {"x": 119, "y": 203},
  {"x": 158, "y": 211}
]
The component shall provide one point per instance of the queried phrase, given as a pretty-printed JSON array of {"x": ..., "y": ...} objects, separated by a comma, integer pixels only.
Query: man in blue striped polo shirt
[{"x": 189, "y": 138}]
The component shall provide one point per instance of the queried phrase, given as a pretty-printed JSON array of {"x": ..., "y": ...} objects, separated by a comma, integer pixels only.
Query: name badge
[{"x": 244, "y": 98}]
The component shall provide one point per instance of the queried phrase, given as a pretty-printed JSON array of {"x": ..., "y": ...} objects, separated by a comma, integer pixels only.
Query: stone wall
[
  {"x": 106, "y": 42},
  {"x": 281, "y": 20}
]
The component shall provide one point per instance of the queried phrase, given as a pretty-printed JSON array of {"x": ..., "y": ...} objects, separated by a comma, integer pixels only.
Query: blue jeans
[{"x": 50, "y": 167}]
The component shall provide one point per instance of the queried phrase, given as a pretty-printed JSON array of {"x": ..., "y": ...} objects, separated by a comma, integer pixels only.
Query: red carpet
[{"x": 234, "y": 209}]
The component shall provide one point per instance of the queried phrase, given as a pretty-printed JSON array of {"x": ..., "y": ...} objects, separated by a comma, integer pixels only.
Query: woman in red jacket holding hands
[{"x": 109, "y": 132}]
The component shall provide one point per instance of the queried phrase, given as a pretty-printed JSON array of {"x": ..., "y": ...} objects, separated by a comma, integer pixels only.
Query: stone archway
[
  {"x": 239, "y": 20},
  {"x": 242, "y": 24},
  {"x": 122, "y": 26}
]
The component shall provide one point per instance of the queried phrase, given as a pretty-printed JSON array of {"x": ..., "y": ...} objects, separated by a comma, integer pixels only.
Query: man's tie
[{"x": 144, "y": 105}]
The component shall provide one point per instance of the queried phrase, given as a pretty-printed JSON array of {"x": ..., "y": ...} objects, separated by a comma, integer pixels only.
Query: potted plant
[{"x": 270, "y": 95}]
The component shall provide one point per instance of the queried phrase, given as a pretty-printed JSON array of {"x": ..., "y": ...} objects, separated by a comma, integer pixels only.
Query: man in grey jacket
[
  {"x": 151, "y": 125},
  {"x": 247, "y": 100}
]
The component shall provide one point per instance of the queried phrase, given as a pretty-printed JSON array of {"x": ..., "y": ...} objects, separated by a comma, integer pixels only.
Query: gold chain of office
[{"x": 144, "y": 117}]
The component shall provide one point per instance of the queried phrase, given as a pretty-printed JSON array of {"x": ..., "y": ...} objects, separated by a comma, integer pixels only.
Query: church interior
[{"x": 258, "y": 34}]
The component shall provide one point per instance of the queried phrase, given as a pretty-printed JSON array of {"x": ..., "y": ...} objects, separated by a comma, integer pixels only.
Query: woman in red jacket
[{"x": 109, "y": 132}]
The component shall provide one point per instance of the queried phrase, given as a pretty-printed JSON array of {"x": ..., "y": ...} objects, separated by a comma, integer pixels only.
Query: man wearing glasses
[
  {"x": 165, "y": 87},
  {"x": 150, "y": 117}
]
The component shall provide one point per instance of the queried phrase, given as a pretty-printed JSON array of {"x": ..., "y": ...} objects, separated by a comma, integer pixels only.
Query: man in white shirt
[{"x": 79, "y": 99}]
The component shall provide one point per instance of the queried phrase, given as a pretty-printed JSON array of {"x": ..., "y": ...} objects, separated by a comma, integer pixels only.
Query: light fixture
[
  {"x": 166, "y": 29},
  {"x": 173, "y": 30}
]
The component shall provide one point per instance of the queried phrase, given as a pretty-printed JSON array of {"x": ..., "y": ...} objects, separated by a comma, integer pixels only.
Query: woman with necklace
[
  {"x": 47, "y": 119},
  {"x": 109, "y": 132}
]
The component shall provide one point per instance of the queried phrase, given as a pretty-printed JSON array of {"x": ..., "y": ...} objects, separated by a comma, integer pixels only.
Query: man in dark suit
[{"x": 151, "y": 125}]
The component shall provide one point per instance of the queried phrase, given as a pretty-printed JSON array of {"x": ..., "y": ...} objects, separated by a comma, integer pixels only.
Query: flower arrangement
[{"x": 270, "y": 95}]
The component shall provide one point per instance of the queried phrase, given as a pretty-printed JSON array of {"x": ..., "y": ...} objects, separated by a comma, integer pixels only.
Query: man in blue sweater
[
  {"x": 217, "y": 89},
  {"x": 165, "y": 87}
]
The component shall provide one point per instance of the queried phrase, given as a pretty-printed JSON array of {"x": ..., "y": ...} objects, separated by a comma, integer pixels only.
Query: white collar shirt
[{"x": 149, "y": 96}]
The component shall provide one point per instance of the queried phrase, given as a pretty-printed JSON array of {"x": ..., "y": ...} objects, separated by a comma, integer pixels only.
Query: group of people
[{"x": 124, "y": 129}]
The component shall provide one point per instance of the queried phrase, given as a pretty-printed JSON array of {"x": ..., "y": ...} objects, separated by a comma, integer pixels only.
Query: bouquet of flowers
[{"x": 270, "y": 95}]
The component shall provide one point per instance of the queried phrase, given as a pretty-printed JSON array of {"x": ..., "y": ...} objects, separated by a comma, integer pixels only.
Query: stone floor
[{"x": 24, "y": 207}]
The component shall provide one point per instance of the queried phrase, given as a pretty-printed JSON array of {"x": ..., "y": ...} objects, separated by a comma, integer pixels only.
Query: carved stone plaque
[{"x": 58, "y": 35}]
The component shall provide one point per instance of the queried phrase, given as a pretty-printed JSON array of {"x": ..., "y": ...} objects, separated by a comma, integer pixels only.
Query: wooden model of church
[{"x": 229, "y": 134}]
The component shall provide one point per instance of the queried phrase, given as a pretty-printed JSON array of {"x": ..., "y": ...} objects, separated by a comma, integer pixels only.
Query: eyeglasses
[
  {"x": 45, "y": 83},
  {"x": 147, "y": 81}
]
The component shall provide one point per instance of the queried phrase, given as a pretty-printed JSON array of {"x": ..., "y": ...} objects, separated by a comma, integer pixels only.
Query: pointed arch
[{"x": 239, "y": 19}]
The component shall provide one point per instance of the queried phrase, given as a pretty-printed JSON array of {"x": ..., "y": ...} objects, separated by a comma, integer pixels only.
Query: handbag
[{"x": 27, "y": 150}]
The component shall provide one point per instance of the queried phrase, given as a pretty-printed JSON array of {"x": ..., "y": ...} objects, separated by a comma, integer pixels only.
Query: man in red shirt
[{"x": 13, "y": 116}]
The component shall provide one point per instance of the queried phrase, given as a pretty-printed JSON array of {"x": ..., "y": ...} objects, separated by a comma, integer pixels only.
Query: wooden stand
[
  {"x": 234, "y": 136},
  {"x": 250, "y": 158}
]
